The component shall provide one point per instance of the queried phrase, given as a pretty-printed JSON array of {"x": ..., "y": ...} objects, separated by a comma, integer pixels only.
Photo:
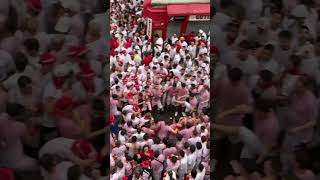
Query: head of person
[
  {"x": 265, "y": 77},
  {"x": 21, "y": 61},
  {"x": 232, "y": 31},
  {"x": 32, "y": 46},
  {"x": 16, "y": 111},
  {"x": 285, "y": 39},
  {"x": 267, "y": 52},
  {"x": 276, "y": 18},
  {"x": 235, "y": 75},
  {"x": 48, "y": 162},
  {"x": 304, "y": 34},
  {"x": 174, "y": 159},
  {"x": 25, "y": 85},
  {"x": 145, "y": 148},
  {"x": 192, "y": 148},
  {"x": 194, "y": 173},
  {"x": 243, "y": 50}
]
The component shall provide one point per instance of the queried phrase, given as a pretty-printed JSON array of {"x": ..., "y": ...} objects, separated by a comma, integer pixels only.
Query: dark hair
[
  {"x": 244, "y": 44},
  {"x": 201, "y": 167},
  {"x": 235, "y": 74},
  {"x": 157, "y": 140},
  {"x": 192, "y": 148},
  {"x": 74, "y": 172},
  {"x": 15, "y": 109},
  {"x": 23, "y": 81},
  {"x": 31, "y": 44},
  {"x": 194, "y": 173},
  {"x": 186, "y": 145},
  {"x": 156, "y": 154},
  {"x": 134, "y": 139},
  {"x": 120, "y": 164},
  {"x": 179, "y": 137},
  {"x": 174, "y": 159},
  {"x": 47, "y": 161},
  {"x": 146, "y": 136},
  {"x": 269, "y": 47},
  {"x": 181, "y": 153},
  {"x": 266, "y": 75},
  {"x": 285, "y": 34},
  {"x": 20, "y": 61},
  {"x": 199, "y": 145}
]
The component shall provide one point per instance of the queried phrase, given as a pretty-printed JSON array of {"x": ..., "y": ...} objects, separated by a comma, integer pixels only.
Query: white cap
[
  {"x": 203, "y": 65},
  {"x": 61, "y": 70},
  {"x": 200, "y": 31},
  {"x": 299, "y": 11},
  {"x": 63, "y": 25},
  {"x": 137, "y": 47},
  {"x": 131, "y": 62},
  {"x": 129, "y": 83}
]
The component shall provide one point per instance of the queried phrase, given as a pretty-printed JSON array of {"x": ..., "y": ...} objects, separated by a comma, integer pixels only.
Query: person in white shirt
[
  {"x": 192, "y": 157},
  {"x": 266, "y": 61}
]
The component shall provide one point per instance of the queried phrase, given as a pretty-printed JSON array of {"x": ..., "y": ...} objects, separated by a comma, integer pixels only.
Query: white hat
[
  {"x": 137, "y": 47},
  {"x": 129, "y": 83},
  {"x": 73, "y": 5},
  {"x": 203, "y": 65},
  {"x": 63, "y": 25},
  {"x": 299, "y": 11},
  {"x": 61, "y": 70},
  {"x": 131, "y": 63},
  {"x": 200, "y": 31}
]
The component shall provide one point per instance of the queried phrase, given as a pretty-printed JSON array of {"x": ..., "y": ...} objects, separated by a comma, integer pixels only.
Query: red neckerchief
[
  {"x": 58, "y": 82},
  {"x": 295, "y": 71},
  {"x": 266, "y": 85}
]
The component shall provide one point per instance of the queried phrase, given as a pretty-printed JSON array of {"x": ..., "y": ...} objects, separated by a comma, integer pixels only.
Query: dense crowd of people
[
  {"x": 265, "y": 89},
  {"x": 53, "y": 78},
  {"x": 159, "y": 99}
]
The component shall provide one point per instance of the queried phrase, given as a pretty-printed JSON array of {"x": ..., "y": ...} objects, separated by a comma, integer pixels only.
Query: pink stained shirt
[
  {"x": 173, "y": 166},
  {"x": 194, "y": 102},
  {"x": 156, "y": 165},
  {"x": 303, "y": 109},
  {"x": 158, "y": 147},
  {"x": 267, "y": 129},
  {"x": 164, "y": 130},
  {"x": 169, "y": 151},
  {"x": 68, "y": 128},
  {"x": 11, "y": 148},
  {"x": 228, "y": 99}
]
